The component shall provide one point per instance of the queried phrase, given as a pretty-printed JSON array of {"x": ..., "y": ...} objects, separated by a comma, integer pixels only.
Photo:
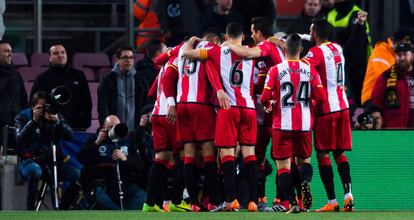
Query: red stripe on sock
[
  {"x": 341, "y": 158},
  {"x": 282, "y": 171},
  {"x": 209, "y": 159},
  {"x": 324, "y": 161},
  {"x": 227, "y": 159},
  {"x": 163, "y": 162},
  {"x": 170, "y": 166},
  {"x": 262, "y": 167},
  {"x": 189, "y": 160},
  {"x": 249, "y": 158}
]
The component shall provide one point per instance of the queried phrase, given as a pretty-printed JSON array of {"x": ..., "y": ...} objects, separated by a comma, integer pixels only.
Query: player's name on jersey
[{"x": 305, "y": 72}]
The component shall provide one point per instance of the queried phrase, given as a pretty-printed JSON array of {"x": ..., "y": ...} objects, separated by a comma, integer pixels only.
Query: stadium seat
[
  {"x": 93, "y": 61},
  {"x": 94, "y": 126},
  {"x": 39, "y": 60},
  {"x": 89, "y": 74},
  {"x": 19, "y": 59},
  {"x": 29, "y": 74},
  {"x": 28, "y": 86},
  {"x": 93, "y": 88},
  {"x": 138, "y": 56}
]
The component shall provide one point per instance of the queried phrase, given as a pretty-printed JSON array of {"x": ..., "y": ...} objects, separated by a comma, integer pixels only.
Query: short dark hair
[
  {"x": 211, "y": 32},
  {"x": 264, "y": 25},
  {"x": 322, "y": 28},
  {"x": 119, "y": 51},
  {"x": 37, "y": 96},
  {"x": 234, "y": 30},
  {"x": 152, "y": 47},
  {"x": 372, "y": 109},
  {"x": 4, "y": 42},
  {"x": 293, "y": 44}
]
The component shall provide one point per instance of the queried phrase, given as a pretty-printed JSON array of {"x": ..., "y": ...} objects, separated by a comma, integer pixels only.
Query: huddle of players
[{"x": 213, "y": 98}]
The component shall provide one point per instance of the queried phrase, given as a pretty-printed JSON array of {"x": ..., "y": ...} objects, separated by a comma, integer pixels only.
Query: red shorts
[
  {"x": 333, "y": 132},
  {"x": 195, "y": 122},
  {"x": 264, "y": 133},
  {"x": 286, "y": 144},
  {"x": 164, "y": 134},
  {"x": 235, "y": 125}
]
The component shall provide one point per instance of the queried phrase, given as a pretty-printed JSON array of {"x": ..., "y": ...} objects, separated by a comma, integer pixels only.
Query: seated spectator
[
  {"x": 302, "y": 23},
  {"x": 78, "y": 111},
  {"x": 221, "y": 15},
  {"x": 36, "y": 129},
  {"x": 123, "y": 92},
  {"x": 99, "y": 156},
  {"x": 146, "y": 67},
  {"x": 394, "y": 90},
  {"x": 382, "y": 58}
]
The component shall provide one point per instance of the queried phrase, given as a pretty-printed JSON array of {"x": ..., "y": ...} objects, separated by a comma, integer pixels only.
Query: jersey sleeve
[
  {"x": 264, "y": 49},
  {"x": 210, "y": 52},
  {"x": 152, "y": 93},
  {"x": 261, "y": 76},
  {"x": 318, "y": 93},
  {"x": 314, "y": 56},
  {"x": 169, "y": 81},
  {"x": 269, "y": 86},
  {"x": 213, "y": 75}
]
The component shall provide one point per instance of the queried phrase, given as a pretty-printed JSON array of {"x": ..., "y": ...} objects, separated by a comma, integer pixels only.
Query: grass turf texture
[{"x": 115, "y": 215}]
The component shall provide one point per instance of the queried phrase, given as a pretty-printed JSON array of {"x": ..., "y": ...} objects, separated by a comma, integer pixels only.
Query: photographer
[
  {"x": 99, "y": 156},
  {"x": 371, "y": 119},
  {"x": 37, "y": 128}
]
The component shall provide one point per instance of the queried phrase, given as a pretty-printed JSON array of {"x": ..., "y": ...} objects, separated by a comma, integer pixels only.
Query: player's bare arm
[
  {"x": 243, "y": 52},
  {"x": 189, "y": 51}
]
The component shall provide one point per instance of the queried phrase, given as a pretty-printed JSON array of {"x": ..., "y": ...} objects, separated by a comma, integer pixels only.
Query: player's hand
[
  {"x": 268, "y": 109},
  {"x": 362, "y": 17},
  {"x": 52, "y": 117},
  {"x": 223, "y": 99},
  {"x": 171, "y": 114},
  {"x": 193, "y": 39},
  {"x": 144, "y": 120},
  {"x": 103, "y": 134},
  {"x": 277, "y": 42},
  {"x": 37, "y": 113},
  {"x": 118, "y": 155}
]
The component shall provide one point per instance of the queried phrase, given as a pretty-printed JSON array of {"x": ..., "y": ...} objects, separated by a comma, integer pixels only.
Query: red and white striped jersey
[
  {"x": 295, "y": 83},
  {"x": 329, "y": 61},
  {"x": 161, "y": 104},
  {"x": 197, "y": 80},
  {"x": 236, "y": 75}
]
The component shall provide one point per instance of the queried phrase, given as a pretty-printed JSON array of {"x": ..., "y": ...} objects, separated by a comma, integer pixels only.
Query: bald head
[{"x": 111, "y": 121}]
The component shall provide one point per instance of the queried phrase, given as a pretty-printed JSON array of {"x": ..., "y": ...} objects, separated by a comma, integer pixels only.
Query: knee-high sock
[
  {"x": 326, "y": 173},
  {"x": 169, "y": 182},
  {"x": 229, "y": 177},
  {"x": 179, "y": 182},
  {"x": 344, "y": 172},
  {"x": 211, "y": 179},
  {"x": 154, "y": 186},
  {"x": 286, "y": 185},
  {"x": 261, "y": 182},
  {"x": 191, "y": 179},
  {"x": 252, "y": 176}
]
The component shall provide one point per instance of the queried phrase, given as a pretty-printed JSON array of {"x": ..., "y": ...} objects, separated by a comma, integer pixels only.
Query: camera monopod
[{"x": 118, "y": 131}]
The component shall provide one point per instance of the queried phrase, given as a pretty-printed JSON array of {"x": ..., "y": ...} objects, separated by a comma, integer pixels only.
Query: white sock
[
  {"x": 332, "y": 201},
  {"x": 347, "y": 195}
]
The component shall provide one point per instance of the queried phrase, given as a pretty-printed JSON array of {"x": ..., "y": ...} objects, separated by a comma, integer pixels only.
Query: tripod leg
[
  {"x": 55, "y": 181},
  {"x": 42, "y": 196}
]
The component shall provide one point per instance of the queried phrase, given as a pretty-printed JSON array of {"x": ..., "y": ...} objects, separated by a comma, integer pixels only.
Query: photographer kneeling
[
  {"x": 37, "y": 128},
  {"x": 370, "y": 119},
  {"x": 100, "y": 156}
]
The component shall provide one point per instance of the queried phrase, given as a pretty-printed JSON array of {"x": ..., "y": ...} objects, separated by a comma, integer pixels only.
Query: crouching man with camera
[
  {"x": 112, "y": 168},
  {"x": 37, "y": 129}
]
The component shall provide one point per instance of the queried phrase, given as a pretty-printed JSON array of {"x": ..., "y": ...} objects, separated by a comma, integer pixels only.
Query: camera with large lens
[
  {"x": 118, "y": 131},
  {"x": 59, "y": 96},
  {"x": 366, "y": 119}
]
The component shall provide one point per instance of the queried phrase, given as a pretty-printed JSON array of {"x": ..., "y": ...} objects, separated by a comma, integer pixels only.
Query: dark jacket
[
  {"x": 146, "y": 68},
  {"x": 107, "y": 96},
  {"x": 34, "y": 139},
  {"x": 13, "y": 98},
  {"x": 393, "y": 117},
  {"x": 78, "y": 111},
  {"x": 98, "y": 163},
  {"x": 301, "y": 25},
  {"x": 214, "y": 20}
]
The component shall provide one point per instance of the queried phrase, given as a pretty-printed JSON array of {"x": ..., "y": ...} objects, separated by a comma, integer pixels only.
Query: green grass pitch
[{"x": 137, "y": 215}]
